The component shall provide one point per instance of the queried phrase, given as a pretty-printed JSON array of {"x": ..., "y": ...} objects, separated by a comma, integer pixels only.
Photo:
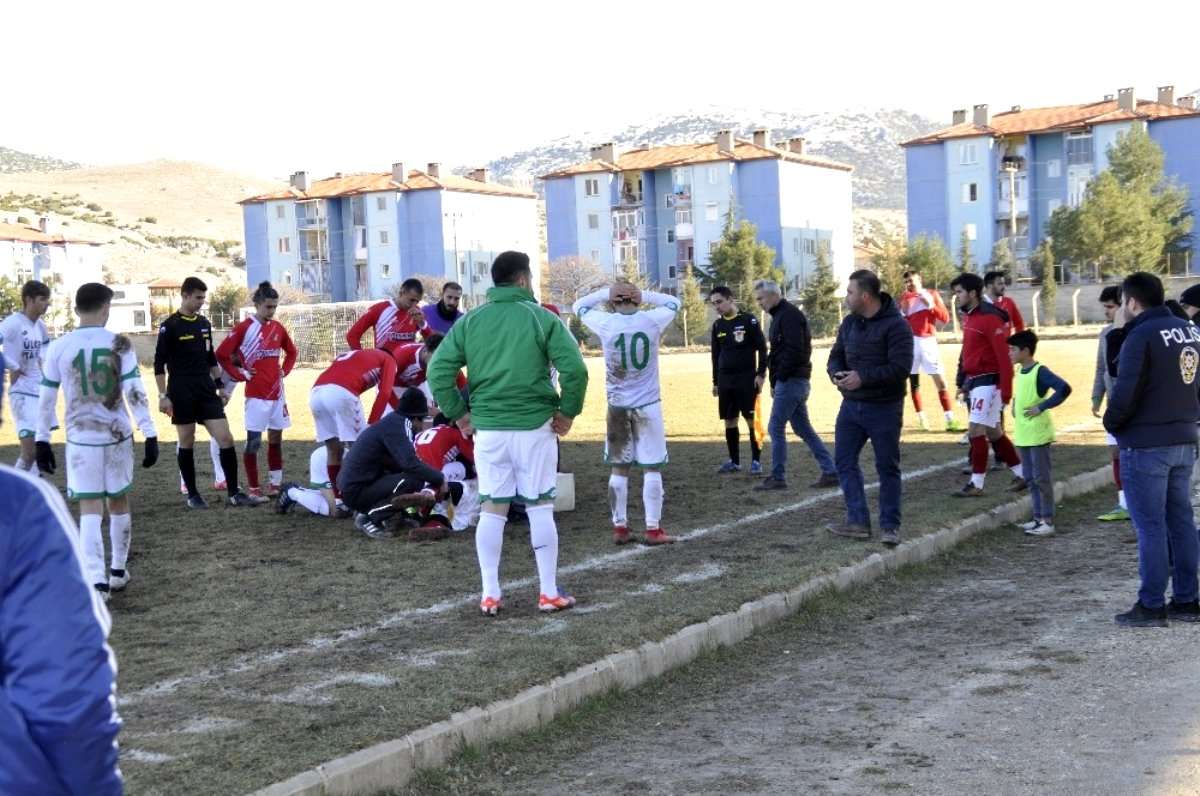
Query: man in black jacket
[
  {"x": 869, "y": 363},
  {"x": 790, "y": 364},
  {"x": 739, "y": 367}
]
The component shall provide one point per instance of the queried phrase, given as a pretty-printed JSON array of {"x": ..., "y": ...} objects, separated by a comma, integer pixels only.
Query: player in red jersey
[
  {"x": 411, "y": 361},
  {"x": 259, "y": 340},
  {"x": 444, "y": 447},
  {"x": 924, "y": 310},
  {"x": 335, "y": 404},
  {"x": 995, "y": 283},
  {"x": 985, "y": 377},
  {"x": 395, "y": 321}
]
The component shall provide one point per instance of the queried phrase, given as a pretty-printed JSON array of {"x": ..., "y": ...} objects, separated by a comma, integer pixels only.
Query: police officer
[{"x": 1152, "y": 412}]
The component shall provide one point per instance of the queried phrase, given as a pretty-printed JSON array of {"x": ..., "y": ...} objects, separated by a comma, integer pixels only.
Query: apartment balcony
[
  {"x": 630, "y": 199},
  {"x": 1004, "y": 208},
  {"x": 684, "y": 231},
  {"x": 628, "y": 233},
  {"x": 1021, "y": 250}
]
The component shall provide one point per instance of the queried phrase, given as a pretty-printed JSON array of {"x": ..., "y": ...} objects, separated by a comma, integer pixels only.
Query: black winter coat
[
  {"x": 880, "y": 348},
  {"x": 791, "y": 343}
]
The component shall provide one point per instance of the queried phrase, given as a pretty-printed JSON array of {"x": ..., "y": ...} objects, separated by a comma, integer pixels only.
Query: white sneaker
[
  {"x": 116, "y": 583},
  {"x": 1042, "y": 529},
  {"x": 102, "y": 590},
  {"x": 921, "y": 419},
  {"x": 1029, "y": 526}
]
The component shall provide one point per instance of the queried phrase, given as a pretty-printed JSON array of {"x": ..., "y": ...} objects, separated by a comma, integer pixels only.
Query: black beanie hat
[
  {"x": 1191, "y": 296},
  {"x": 413, "y": 403}
]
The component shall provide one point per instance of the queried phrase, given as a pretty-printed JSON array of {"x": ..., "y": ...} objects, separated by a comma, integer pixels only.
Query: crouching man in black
[{"x": 384, "y": 481}]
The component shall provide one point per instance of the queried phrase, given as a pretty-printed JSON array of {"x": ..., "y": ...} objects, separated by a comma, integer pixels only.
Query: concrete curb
[{"x": 393, "y": 764}]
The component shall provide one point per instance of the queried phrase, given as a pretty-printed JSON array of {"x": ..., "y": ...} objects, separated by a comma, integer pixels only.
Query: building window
[
  {"x": 383, "y": 237},
  {"x": 710, "y": 211},
  {"x": 968, "y": 155},
  {"x": 362, "y": 237},
  {"x": 970, "y": 230},
  {"x": 287, "y": 277},
  {"x": 593, "y": 221},
  {"x": 670, "y": 235},
  {"x": 139, "y": 317},
  {"x": 669, "y": 200},
  {"x": 683, "y": 216},
  {"x": 596, "y": 256},
  {"x": 285, "y": 245},
  {"x": 795, "y": 245},
  {"x": 280, "y": 211},
  {"x": 1079, "y": 148},
  {"x": 118, "y": 294},
  {"x": 381, "y": 203},
  {"x": 591, "y": 187},
  {"x": 810, "y": 246},
  {"x": 712, "y": 175},
  {"x": 970, "y": 192},
  {"x": 641, "y": 218},
  {"x": 385, "y": 270},
  {"x": 1054, "y": 168},
  {"x": 671, "y": 271}
]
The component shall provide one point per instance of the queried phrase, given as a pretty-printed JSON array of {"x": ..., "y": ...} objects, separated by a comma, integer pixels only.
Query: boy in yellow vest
[{"x": 1035, "y": 392}]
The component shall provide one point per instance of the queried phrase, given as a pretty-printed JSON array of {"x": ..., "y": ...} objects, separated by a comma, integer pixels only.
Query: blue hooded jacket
[
  {"x": 1154, "y": 401},
  {"x": 58, "y": 716}
]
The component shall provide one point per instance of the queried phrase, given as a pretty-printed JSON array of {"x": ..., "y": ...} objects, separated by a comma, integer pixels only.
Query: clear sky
[{"x": 272, "y": 87}]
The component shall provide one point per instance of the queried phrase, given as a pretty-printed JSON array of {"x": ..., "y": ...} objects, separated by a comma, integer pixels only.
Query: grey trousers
[{"x": 1036, "y": 463}]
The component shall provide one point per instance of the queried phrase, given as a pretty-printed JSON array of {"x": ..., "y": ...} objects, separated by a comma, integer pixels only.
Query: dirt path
[{"x": 997, "y": 670}]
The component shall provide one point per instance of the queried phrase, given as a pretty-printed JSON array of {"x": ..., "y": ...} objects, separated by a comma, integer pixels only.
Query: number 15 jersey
[
  {"x": 97, "y": 372},
  {"x": 630, "y": 345}
]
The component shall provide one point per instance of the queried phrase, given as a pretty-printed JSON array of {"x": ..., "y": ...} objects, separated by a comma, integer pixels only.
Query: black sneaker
[
  {"x": 370, "y": 528},
  {"x": 849, "y": 530},
  {"x": 1018, "y": 485},
  {"x": 825, "y": 481},
  {"x": 196, "y": 502},
  {"x": 240, "y": 499},
  {"x": 770, "y": 483},
  {"x": 1184, "y": 612},
  {"x": 890, "y": 536},
  {"x": 1141, "y": 616},
  {"x": 969, "y": 490},
  {"x": 285, "y": 503}
]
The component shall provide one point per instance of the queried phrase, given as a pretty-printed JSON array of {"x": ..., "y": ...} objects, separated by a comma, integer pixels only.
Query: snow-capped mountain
[{"x": 867, "y": 139}]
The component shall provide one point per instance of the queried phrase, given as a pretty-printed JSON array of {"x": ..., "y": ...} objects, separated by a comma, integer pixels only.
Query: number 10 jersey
[{"x": 630, "y": 346}]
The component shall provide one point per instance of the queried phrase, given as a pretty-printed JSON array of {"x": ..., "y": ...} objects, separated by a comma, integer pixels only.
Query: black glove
[
  {"x": 151, "y": 452},
  {"x": 45, "y": 458}
]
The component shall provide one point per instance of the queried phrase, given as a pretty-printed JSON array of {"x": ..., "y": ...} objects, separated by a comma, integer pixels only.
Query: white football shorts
[
  {"x": 337, "y": 413},
  {"x": 263, "y": 414},
  {"x": 925, "y": 356},
  {"x": 99, "y": 471},
  {"x": 985, "y": 406},
  {"x": 24, "y": 412},
  {"x": 517, "y": 464},
  {"x": 636, "y": 436}
]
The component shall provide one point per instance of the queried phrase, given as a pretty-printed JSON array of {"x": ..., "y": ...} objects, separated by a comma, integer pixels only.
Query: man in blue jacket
[
  {"x": 58, "y": 716},
  {"x": 1152, "y": 411},
  {"x": 870, "y": 363}
]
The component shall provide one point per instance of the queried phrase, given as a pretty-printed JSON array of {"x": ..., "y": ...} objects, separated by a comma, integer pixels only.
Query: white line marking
[
  {"x": 142, "y": 756},
  {"x": 250, "y": 663}
]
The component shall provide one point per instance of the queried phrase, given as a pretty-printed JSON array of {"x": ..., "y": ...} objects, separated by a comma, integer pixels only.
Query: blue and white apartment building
[
  {"x": 665, "y": 207},
  {"x": 358, "y": 236},
  {"x": 964, "y": 178}
]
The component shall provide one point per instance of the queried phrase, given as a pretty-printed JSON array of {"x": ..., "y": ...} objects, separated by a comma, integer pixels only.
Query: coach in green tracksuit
[{"x": 508, "y": 346}]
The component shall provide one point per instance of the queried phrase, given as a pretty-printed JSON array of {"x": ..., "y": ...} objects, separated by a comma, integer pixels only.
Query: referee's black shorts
[
  {"x": 194, "y": 405},
  {"x": 737, "y": 399}
]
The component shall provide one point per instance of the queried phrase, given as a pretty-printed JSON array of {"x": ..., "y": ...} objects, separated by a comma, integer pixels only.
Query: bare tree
[
  {"x": 569, "y": 278},
  {"x": 432, "y": 285}
]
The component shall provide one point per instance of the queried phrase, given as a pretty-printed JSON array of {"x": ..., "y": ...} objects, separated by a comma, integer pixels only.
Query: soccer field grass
[{"x": 252, "y": 646}]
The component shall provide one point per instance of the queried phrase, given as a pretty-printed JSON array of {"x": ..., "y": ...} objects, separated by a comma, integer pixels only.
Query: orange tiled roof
[
  {"x": 1058, "y": 117},
  {"x": 355, "y": 184},
  {"x": 660, "y": 157},
  {"x": 20, "y": 232}
]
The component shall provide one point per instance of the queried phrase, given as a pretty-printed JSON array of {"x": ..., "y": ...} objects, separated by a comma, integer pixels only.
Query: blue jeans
[
  {"x": 1157, "y": 485},
  {"x": 858, "y": 422},
  {"x": 791, "y": 403}
]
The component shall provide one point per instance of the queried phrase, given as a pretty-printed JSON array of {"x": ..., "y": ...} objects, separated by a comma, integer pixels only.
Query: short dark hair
[
  {"x": 968, "y": 282},
  {"x": 1145, "y": 288},
  {"x": 412, "y": 284},
  {"x": 868, "y": 281},
  {"x": 92, "y": 296},
  {"x": 433, "y": 341},
  {"x": 34, "y": 289},
  {"x": 1026, "y": 339},
  {"x": 721, "y": 290},
  {"x": 1111, "y": 293},
  {"x": 910, "y": 272},
  {"x": 992, "y": 276},
  {"x": 264, "y": 292},
  {"x": 451, "y": 286},
  {"x": 508, "y": 266},
  {"x": 193, "y": 285}
]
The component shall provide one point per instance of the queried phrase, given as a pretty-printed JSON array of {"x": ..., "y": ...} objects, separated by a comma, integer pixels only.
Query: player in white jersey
[
  {"x": 24, "y": 338},
  {"x": 636, "y": 436},
  {"x": 318, "y": 497},
  {"x": 99, "y": 375}
]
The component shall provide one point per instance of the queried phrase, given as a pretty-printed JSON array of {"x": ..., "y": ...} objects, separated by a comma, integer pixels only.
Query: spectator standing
[
  {"x": 790, "y": 366},
  {"x": 870, "y": 360},
  {"x": 1033, "y": 429},
  {"x": 1152, "y": 411},
  {"x": 1110, "y": 300}
]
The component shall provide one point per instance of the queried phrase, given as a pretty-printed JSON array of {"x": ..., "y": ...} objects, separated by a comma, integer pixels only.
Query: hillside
[
  {"x": 868, "y": 140},
  {"x": 12, "y": 161},
  {"x": 160, "y": 219}
]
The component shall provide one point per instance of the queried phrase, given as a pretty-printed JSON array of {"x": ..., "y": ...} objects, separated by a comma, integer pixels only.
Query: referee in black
[
  {"x": 739, "y": 367},
  {"x": 185, "y": 352}
]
